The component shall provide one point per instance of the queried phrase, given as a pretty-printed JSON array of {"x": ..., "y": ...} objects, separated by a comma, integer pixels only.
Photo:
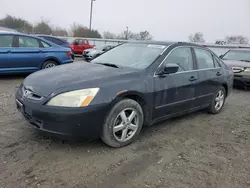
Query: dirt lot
[{"x": 198, "y": 150}]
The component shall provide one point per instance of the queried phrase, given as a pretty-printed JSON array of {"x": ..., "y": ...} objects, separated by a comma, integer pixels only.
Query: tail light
[{"x": 69, "y": 54}]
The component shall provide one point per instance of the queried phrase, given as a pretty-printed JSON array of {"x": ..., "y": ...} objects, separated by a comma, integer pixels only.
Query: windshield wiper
[{"x": 109, "y": 64}]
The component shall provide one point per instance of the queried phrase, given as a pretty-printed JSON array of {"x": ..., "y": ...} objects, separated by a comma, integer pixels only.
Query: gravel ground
[{"x": 197, "y": 150}]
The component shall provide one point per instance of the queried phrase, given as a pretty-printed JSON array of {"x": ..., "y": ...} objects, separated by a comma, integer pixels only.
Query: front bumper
[
  {"x": 65, "y": 122},
  {"x": 242, "y": 80}
]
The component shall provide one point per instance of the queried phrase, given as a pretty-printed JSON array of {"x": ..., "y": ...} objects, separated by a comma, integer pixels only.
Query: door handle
[
  {"x": 218, "y": 74},
  {"x": 192, "y": 79}
]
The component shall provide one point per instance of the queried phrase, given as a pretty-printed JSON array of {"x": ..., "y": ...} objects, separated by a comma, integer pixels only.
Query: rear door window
[
  {"x": 45, "y": 45},
  {"x": 204, "y": 59},
  {"x": 28, "y": 42},
  {"x": 6, "y": 41}
]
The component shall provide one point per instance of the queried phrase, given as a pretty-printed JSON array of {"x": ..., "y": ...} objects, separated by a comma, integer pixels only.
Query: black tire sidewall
[
  {"x": 47, "y": 62},
  {"x": 107, "y": 133}
]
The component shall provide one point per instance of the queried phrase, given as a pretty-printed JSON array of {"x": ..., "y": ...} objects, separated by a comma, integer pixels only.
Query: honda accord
[{"x": 126, "y": 88}]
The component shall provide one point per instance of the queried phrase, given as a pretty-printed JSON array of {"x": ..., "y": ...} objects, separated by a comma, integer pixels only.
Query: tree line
[
  {"x": 76, "y": 30},
  {"x": 237, "y": 39}
]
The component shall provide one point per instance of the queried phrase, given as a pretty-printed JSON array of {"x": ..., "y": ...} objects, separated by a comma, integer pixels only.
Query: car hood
[
  {"x": 72, "y": 76},
  {"x": 235, "y": 63}
]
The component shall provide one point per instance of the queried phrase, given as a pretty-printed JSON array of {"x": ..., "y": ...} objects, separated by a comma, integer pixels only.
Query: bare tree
[
  {"x": 238, "y": 39},
  {"x": 58, "y": 31},
  {"x": 43, "y": 27},
  {"x": 129, "y": 35},
  {"x": 109, "y": 35},
  {"x": 126, "y": 35},
  {"x": 145, "y": 35},
  {"x": 197, "y": 37},
  {"x": 78, "y": 30}
]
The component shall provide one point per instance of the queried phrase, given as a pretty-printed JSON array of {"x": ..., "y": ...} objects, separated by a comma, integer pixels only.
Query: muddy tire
[{"x": 123, "y": 123}]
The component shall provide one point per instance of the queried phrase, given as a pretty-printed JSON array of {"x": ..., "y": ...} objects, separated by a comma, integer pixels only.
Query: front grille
[{"x": 28, "y": 93}]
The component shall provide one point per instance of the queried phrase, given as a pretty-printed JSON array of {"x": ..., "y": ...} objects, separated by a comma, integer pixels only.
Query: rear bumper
[
  {"x": 64, "y": 122},
  {"x": 67, "y": 61}
]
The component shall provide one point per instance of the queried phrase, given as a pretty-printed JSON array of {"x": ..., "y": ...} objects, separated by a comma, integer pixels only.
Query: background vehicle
[
  {"x": 239, "y": 60},
  {"x": 89, "y": 54},
  {"x": 58, "y": 41},
  {"x": 25, "y": 53},
  {"x": 79, "y": 45},
  {"x": 155, "y": 81}
]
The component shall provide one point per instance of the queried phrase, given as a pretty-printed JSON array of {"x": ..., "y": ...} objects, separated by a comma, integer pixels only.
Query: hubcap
[
  {"x": 126, "y": 125},
  {"x": 219, "y": 100},
  {"x": 49, "y": 65}
]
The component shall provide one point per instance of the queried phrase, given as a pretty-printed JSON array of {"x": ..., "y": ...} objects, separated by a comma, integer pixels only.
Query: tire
[
  {"x": 126, "y": 131},
  {"x": 49, "y": 64},
  {"x": 212, "y": 109}
]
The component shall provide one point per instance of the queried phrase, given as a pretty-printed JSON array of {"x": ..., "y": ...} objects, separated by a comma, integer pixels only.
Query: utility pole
[
  {"x": 127, "y": 33},
  {"x": 91, "y": 11}
]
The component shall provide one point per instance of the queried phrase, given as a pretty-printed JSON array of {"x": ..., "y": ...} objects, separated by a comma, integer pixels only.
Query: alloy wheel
[
  {"x": 219, "y": 100},
  {"x": 126, "y": 125},
  {"x": 49, "y": 65}
]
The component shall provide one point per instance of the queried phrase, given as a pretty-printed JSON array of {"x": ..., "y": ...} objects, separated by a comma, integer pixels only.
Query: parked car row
[
  {"x": 92, "y": 53},
  {"x": 239, "y": 60}
]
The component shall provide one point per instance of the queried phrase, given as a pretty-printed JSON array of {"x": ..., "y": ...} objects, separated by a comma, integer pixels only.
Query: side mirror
[
  {"x": 76, "y": 43},
  {"x": 170, "y": 68}
]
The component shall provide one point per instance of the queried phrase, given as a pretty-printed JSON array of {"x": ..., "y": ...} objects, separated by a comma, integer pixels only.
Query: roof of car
[
  {"x": 240, "y": 49},
  {"x": 166, "y": 43},
  {"x": 16, "y": 33}
]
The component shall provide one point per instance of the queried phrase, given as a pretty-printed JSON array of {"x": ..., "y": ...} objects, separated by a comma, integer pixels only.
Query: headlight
[
  {"x": 247, "y": 69},
  {"x": 77, "y": 98}
]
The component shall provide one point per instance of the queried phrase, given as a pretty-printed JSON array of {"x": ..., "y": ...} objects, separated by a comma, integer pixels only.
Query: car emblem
[{"x": 26, "y": 93}]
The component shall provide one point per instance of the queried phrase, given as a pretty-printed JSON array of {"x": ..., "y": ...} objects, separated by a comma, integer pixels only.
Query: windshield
[
  {"x": 130, "y": 55},
  {"x": 237, "y": 55}
]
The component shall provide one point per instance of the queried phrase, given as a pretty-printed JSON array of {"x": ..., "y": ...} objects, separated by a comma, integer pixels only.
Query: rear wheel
[
  {"x": 49, "y": 64},
  {"x": 123, "y": 123},
  {"x": 218, "y": 101}
]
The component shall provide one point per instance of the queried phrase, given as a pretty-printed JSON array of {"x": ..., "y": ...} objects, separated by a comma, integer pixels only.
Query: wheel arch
[
  {"x": 51, "y": 59},
  {"x": 139, "y": 98},
  {"x": 226, "y": 88}
]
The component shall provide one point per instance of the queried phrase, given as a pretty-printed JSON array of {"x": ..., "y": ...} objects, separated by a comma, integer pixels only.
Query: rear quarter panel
[{"x": 56, "y": 54}]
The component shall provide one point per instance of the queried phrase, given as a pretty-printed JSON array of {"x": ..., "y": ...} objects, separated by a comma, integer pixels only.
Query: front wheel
[
  {"x": 218, "y": 101},
  {"x": 123, "y": 123}
]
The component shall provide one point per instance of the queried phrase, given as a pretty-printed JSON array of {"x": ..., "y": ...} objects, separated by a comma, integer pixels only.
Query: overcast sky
[{"x": 164, "y": 19}]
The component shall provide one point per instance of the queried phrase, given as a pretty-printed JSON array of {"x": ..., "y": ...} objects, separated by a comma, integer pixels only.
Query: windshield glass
[
  {"x": 130, "y": 55},
  {"x": 237, "y": 55}
]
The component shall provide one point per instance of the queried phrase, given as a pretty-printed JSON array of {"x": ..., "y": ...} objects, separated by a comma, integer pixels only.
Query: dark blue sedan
[
  {"x": 58, "y": 41},
  {"x": 24, "y": 53}
]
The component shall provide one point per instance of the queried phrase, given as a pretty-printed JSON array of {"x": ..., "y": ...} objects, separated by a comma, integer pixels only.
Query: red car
[{"x": 79, "y": 45}]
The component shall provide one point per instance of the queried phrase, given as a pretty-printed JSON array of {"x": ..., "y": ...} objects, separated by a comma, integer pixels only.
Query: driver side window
[{"x": 181, "y": 56}]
